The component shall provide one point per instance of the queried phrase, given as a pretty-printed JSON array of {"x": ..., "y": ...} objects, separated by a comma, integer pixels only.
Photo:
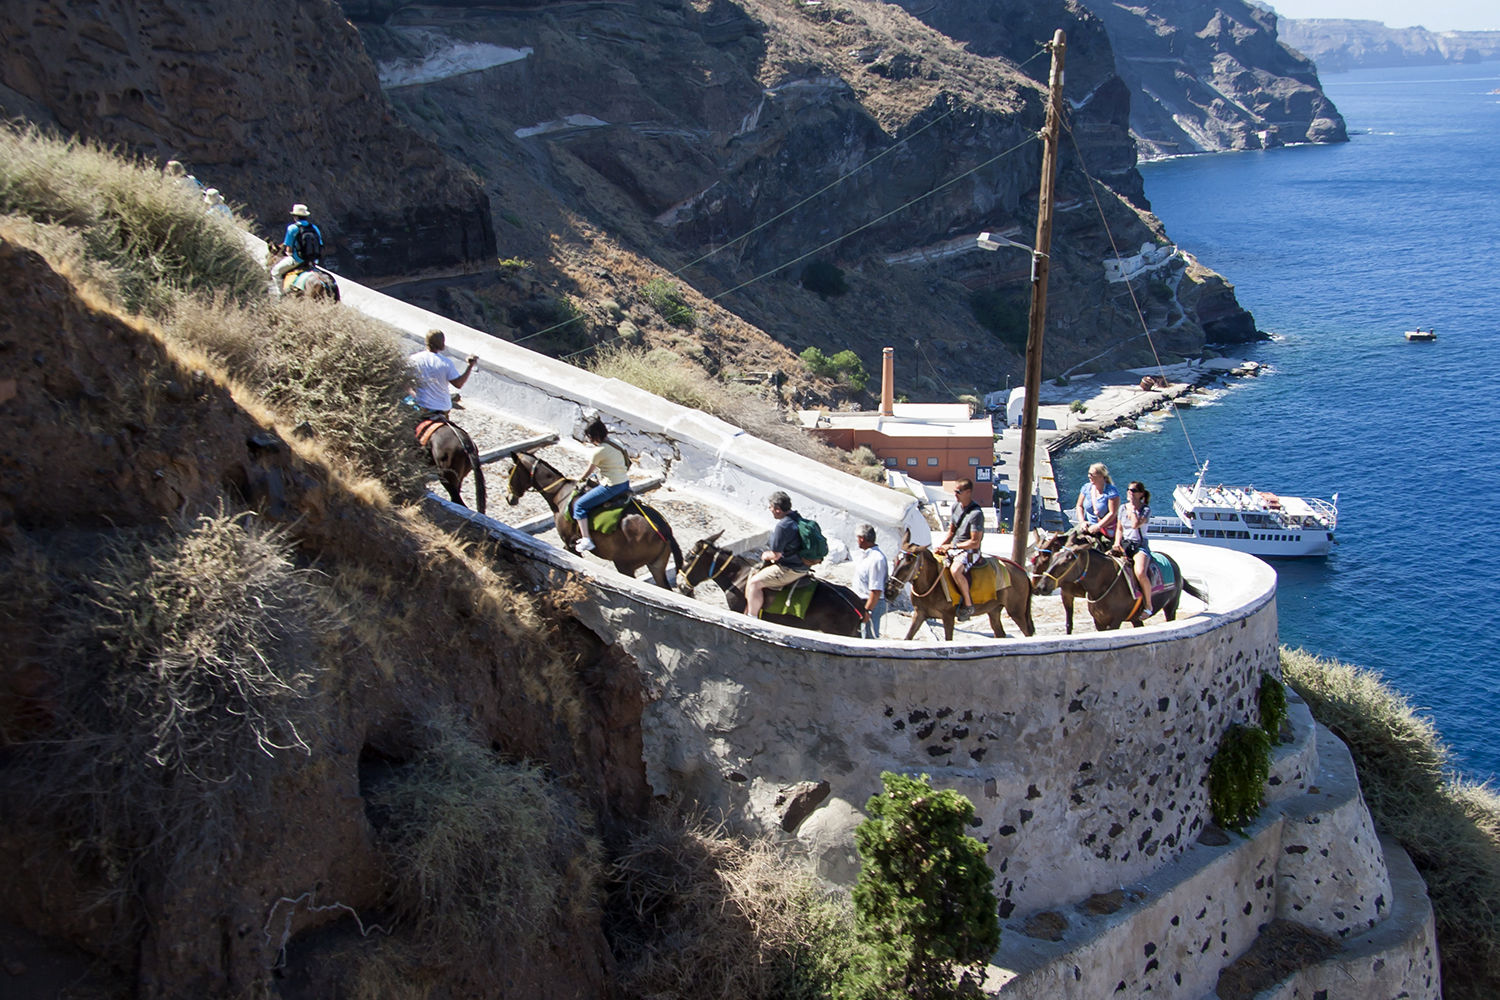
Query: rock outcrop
[
  {"x": 1338, "y": 44},
  {"x": 1212, "y": 77},
  {"x": 272, "y": 103}
]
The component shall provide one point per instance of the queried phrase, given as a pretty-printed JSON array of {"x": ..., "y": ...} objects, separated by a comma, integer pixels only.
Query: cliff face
[
  {"x": 1209, "y": 77},
  {"x": 1338, "y": 45},
  {"x": 274, "y": 104},
  {"x": 740, "y": 143}
]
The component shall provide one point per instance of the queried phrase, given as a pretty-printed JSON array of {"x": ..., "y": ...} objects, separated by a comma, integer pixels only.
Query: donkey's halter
[
  {"x": 1061, "y": 578},
  {"x": 713, "y": 564},
  {"x": 912, "y": 559}
]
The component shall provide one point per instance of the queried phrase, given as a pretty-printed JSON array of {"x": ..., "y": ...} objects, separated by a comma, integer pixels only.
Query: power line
[{"x": 1135, "y": 303}]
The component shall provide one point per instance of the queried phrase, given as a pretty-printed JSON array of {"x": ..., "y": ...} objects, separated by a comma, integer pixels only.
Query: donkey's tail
[{"x": 473, "y": 455}]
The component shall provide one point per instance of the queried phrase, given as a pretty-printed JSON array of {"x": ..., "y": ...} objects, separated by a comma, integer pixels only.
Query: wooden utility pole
[{"x": 1040, "y": 260}]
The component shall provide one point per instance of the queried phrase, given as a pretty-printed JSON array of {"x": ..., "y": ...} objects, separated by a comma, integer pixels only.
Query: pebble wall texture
[{"x": 1085, "y": 757}]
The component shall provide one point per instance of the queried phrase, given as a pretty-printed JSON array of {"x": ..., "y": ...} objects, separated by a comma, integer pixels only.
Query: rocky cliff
[
  {"x": 730, "y": 147},
  {"x": 272, "y": 103},
  {"x": 1338, "y": 45},
  {"x": 1207, "y": 77},
  {"x": 736, "y": 145}
]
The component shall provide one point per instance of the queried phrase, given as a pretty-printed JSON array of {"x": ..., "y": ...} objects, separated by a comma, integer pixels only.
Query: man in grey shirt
[{"x": 961, "y": 545}]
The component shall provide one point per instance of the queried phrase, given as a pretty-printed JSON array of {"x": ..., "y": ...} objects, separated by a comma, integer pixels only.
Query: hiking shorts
[
  {"x": 775, "y": 575},
  {"x": 963, "y": 560}
]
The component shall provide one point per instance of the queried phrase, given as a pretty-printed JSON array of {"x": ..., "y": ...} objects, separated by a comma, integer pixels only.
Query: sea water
[{"x": 1337, "y": 250}]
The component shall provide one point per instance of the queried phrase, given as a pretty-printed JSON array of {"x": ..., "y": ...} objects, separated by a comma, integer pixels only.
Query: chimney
[{"x": 888, "y": 383}]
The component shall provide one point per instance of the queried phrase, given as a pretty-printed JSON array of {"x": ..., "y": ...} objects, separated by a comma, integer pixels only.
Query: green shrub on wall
[
  {"x": 924, "y": 909},
  {"x": 1272, "y": 700},
  {"x": 1237, "y": 774}
]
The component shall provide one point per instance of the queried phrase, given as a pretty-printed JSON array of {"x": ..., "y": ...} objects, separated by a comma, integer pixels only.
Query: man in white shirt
[
  {"x": 433, "y": 374},
  {"x": 870, "y": 579}
]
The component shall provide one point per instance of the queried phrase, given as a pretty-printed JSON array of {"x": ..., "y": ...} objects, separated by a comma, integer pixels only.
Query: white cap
[{"x": 300, "y": 210}]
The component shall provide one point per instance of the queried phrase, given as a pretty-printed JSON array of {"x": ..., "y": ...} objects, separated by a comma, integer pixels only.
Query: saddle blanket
[
  {"x": 427, "y": 428},
  {"x": 793, "y": 600},
  {"x": 602, "y": 520},
  {"x": 986, "y": 578},
  {"x": 1159, "y": 571}
]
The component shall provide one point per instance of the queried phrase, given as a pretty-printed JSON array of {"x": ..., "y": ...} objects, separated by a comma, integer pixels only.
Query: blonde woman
[{"x": 1098, "y": 508}]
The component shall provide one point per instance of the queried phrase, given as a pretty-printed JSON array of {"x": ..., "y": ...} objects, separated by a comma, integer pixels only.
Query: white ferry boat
[{"x": 1250, "y": 520}]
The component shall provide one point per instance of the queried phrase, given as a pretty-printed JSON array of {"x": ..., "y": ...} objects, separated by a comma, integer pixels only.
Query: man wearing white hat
[{"x": 303, "y": 243}]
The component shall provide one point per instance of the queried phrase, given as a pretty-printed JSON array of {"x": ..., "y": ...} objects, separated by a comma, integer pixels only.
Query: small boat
[
  {"x": 1249, "y": 520},
  {"x": 1420, "y": 334}
]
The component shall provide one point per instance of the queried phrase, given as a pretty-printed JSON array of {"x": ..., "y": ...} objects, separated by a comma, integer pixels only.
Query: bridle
[
  {"x": 912, "y": 559},
  {"x": 545, "y": 491},
  {"x": 1077, "y": 562},
  {"x": 714, "y": 567}
]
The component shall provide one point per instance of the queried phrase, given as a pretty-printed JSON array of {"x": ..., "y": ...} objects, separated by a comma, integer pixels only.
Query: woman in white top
[
  {"x": 613, "y": 467},
  {"x": 1130, "y": 537}
]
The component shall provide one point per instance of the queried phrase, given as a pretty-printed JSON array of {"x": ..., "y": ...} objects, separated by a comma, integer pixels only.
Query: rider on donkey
[
  {"x": 611, "y": 462},
  {"x": 782, "y": 557},
  {"x": 433, "y": 374},
  {"x": 961, "y": 545},
  {"x": 303, "y": 243}
]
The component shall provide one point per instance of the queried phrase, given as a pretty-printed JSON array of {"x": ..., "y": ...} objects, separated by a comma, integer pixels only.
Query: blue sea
[{"x": 1337, "y": 250}]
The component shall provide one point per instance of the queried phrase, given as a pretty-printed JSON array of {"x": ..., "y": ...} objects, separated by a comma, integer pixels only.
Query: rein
[
  {"x": 911, "y": 580},
  {"x": 714, "y": 569}
]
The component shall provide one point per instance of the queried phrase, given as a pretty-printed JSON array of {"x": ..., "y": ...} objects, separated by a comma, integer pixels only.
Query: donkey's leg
[
  {"x": 996, "y": 625},
  {"x": 917, "y": 621}
]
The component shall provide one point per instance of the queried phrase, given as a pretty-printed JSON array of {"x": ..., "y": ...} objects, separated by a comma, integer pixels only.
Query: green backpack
[{"x": 814, "y": 545}]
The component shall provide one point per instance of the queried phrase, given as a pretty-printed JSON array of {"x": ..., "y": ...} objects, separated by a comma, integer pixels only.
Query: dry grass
[
  {"x": 480, "y": 847},
  {"x": 670, "y": 376},
  {"x": 697, "y": 913},
  {"x": 337, "y": 374},
  {"x": 1449, "y": 826},
  {"x": 150, "y": 230}
]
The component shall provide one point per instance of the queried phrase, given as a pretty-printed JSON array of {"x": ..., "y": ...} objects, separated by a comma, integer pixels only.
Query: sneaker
[
  {"x": 586, "y": 545},
  {"x": 965, "y": 612}
]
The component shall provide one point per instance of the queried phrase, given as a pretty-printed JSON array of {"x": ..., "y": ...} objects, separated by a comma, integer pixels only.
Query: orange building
[{"x": 933, "y": 443}]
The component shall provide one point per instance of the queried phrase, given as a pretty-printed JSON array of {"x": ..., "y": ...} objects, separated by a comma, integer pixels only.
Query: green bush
[
  {"x": 825, "y": 278},
  {"x": 924, "y": 909},
  {"x": 1077, "y": 406},
  {"x": 1002, "y": 314},
  {"x": 667, "y": 298},
  {"x": 1272, "y": 703},
  {"x": 844, "y": 367},
  {"x": 1237, "y": 775}
]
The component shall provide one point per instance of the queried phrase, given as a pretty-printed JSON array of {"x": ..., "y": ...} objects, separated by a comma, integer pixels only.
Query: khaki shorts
[
  {"x": 775, "y": 575},
  {"x": 963, "y": 560}
]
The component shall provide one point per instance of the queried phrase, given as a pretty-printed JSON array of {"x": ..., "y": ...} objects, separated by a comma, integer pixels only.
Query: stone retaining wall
[{"x": 1085, "y": 756}]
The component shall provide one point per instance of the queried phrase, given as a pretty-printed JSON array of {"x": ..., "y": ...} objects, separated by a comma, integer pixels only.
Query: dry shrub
[
  {"x": 1449, "y": 826},
  {"x": 150, "y": 229},
  {"x": 668, "y": 375},
  {"x": 479, "y": 847},
  {"x": 338, "y": 371},
  {"x": 697, "y": 913},
  {"x": 179, "y": 661}
]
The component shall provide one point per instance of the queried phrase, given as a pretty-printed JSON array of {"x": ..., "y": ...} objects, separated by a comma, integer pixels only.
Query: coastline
[{"x": 1111, "y": 401}]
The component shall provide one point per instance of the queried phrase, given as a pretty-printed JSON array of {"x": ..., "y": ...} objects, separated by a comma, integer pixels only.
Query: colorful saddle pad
[
  {"x": 793, "y": 600},
  {"x": 1160, "y": 573}
]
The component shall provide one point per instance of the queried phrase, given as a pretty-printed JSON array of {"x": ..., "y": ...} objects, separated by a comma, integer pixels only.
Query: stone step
[
  {"x": 1395, "y": 960},
  {"x": 1293, "y": 764},
  {"x": 1311, "y": 857}
]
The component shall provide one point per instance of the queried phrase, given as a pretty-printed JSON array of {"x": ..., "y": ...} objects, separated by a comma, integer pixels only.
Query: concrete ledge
[
  {"x": 1397, "y": 959},
  {"x": 1311, "y": 858},
  {"x": 1294, "y": 764}
]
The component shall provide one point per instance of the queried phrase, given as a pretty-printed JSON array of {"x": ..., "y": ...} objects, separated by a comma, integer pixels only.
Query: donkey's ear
[
  {"x": 905, "y": 536},
  {"x": 714, "y": 538}
]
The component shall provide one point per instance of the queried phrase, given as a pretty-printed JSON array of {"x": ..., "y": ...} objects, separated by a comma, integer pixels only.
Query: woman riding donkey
[
  {"x": 1130, "y": 538},
  {"x": 613, "y": 466},
  {"x": 1098, "y": 508}
]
